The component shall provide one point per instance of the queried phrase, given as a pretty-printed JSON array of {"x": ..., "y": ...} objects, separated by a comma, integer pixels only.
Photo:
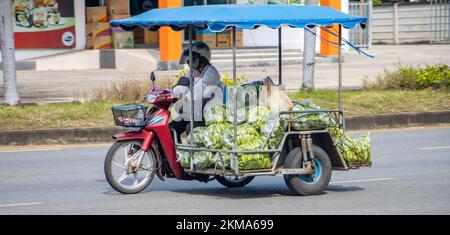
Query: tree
[{"x": 8, "y": 53}]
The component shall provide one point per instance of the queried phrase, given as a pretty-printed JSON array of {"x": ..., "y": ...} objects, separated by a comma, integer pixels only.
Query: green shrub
[
  {"x": 375, "y": 2},
  {"x": 407, "y": 78},
  {"x": 436, "y": 76}
]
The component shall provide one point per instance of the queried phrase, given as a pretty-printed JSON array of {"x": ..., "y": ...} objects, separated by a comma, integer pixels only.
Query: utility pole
[
  {"x": 309, "y": 53},
  {"x": 8, "y": 54}
]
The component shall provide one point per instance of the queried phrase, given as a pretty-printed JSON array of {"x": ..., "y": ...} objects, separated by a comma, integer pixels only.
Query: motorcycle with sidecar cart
[{"x": 305, "y": 158}]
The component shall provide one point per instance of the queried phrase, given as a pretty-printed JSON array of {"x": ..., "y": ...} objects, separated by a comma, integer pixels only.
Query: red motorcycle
[{"x": 138, "y": 155}]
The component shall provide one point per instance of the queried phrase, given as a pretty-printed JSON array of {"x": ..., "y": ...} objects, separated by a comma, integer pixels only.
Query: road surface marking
[
  {"x": 21, "y": 204},
  {"x": 360, "y": 181},
  {"x": 430, "y": 148},
  {"x": 28, "y": 150},
  {"x": 411, "y": 128}
]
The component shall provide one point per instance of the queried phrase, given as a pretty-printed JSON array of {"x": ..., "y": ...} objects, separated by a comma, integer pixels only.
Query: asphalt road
[{"x": 411, "y": 175}]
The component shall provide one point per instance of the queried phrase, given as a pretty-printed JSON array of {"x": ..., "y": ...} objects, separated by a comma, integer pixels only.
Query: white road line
[
  {"x": 360, "y": 181},
  {"x": 28, "y": 150},
  {"x": 430, "y": 148},
  {"x": 21, "y": 204}
]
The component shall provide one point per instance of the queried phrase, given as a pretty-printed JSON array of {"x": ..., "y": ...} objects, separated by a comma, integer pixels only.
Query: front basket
[{"x": 131, "y": 115}]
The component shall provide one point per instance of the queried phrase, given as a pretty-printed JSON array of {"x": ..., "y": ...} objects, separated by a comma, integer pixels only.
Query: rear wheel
[
  {"x": 311, "y": 184},
  {"x": 234, "y": 181},
  {"x": 123, "y": 171}
]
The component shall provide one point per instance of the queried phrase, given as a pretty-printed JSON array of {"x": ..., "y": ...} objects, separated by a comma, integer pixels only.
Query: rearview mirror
[{"x": 152, "y": 77}]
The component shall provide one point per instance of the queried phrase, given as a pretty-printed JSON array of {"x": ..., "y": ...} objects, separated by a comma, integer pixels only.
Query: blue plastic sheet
[{"x": 219, "y": 17}]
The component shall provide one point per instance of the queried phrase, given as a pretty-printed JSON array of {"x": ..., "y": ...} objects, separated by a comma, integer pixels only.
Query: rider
[{"x": 204, "y": 75}]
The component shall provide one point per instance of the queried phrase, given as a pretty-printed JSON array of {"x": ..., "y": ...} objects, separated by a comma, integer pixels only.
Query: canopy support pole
[
  {"x": 280, "y": 63},
  {"x": 235, "y": 101},
  {"x": 340, "y": 71},
  {"x": 191, "y": 87},
  {"x": 235, "y": 90}
]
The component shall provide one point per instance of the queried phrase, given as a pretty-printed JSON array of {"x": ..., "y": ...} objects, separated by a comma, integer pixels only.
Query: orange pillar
[
  {"x": 170, "y": 42},
  {"x": 327, "y": 49}
]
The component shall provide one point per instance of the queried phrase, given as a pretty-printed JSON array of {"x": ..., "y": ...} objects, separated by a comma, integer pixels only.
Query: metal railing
[
  {"x": 440, "y": 21},
  {"x": 358, "y": 36}
]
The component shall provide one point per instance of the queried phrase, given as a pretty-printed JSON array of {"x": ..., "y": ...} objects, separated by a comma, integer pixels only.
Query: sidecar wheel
[{"x": 311, "y": 184}]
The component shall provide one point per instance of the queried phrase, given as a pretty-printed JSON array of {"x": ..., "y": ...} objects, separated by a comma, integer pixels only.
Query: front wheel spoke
[
  {"x": 118, "y": 165},
  {"x": 135, "y": 179},
  {"x": 145, "y": 168},
  {"x": 121, "y": 178},
  {"x": 127, "y": 151}
]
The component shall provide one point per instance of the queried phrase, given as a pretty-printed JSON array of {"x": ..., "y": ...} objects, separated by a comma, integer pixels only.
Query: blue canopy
[{"x": 218, "y": 17}]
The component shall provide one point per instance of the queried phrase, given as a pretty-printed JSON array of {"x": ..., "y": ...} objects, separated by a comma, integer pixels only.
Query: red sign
[{"x": 44, "y": 23}]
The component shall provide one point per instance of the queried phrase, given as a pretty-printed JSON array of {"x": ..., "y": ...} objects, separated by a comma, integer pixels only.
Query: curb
[
  {"x": 58, "y": 136},
  {"x": 103, "y": 135},
  {"x": 397, "y": 120}
]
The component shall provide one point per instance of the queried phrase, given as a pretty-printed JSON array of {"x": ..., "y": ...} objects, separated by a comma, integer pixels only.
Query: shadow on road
[
  {"x": 247, "y": 192},
  {"x": 250, "y": 192},
  {"x": 341, "y": 188}
]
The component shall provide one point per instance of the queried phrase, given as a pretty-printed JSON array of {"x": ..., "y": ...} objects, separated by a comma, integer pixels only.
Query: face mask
[{"x": 195, "y": 63}]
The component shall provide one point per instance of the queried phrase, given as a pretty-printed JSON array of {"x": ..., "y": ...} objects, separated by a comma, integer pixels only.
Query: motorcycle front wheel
[{"x": 124, "y": 172}]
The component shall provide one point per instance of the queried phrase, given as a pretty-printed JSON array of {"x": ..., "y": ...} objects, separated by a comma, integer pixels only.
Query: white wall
[
  {"x": 263, "y": 36},
  {"x": 292, "y": 37}
]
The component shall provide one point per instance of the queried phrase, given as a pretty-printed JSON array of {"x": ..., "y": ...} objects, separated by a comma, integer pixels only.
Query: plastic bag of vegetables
[
  {"x": 229, "y": 112},
  {"x": 275, "y": 128},
  {"x": 309, "y": 121},
  {"x": 222, "y": 160},
  {"x": 253, "y": 161},
  {"x": 183, "y": 158},
  {"x": 245, "y": 134},
  {"x": 355, "y": 151},
  {"x": 257, "y": 116},
  {"x": 200, "y": 136},
  {"x": 215, "y": 136},
  {"x": 204, "y": 160},
  {"x": 214, "y": 114}
]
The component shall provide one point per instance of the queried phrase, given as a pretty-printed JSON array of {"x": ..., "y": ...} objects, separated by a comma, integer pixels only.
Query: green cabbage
[
  {"x": 183, "y": 158},
  {"x": 275, "y": 128},
  {"x": 309, "y": 121},
  {"x": 204, "y": 160},
  {"x": 214, "y": 114},
  {"x": 355, "y": 151},
  {"x": 255, "y": 160},
  {"x": 257, "y": 116}
]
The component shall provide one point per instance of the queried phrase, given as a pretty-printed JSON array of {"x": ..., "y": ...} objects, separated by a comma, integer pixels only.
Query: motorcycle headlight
[{"x": 151, "y": 98}]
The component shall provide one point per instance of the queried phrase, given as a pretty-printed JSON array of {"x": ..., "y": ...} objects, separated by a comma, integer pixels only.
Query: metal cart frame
[{"x": 305, "y": 138}]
